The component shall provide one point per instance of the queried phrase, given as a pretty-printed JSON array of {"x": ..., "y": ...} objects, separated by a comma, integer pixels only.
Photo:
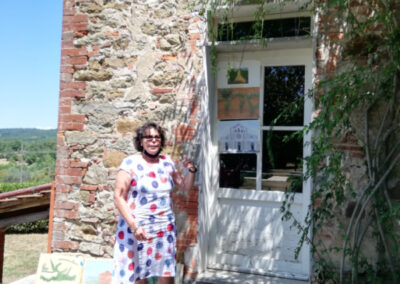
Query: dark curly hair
[{"x": 140, "y": 132}]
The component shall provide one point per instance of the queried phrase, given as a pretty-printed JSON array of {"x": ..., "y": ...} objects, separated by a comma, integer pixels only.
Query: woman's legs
[
  {"x": 143, "y": 281},
  {"x": 165, "y": 280}
]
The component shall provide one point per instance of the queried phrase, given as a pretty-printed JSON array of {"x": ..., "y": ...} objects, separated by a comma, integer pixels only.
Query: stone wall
[{"x": 123, "y": 63}]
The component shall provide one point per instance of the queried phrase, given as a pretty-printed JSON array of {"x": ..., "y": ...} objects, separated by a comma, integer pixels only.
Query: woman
[{"x": 146, "y": 232}]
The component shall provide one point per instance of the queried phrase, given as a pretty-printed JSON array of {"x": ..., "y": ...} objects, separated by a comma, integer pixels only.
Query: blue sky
[{"x": 30, "y": 50}]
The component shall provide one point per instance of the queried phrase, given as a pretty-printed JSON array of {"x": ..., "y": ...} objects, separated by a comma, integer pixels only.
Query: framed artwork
[
  {"x": 238, "y": 103},
  {"x": 238, "y": 76},
  {"x": 239, "y": 136},
  {"x": 59, "y": 268}
]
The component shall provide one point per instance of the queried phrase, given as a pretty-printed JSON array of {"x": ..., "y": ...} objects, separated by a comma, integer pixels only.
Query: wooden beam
[
  {"x": 20, "y": 219},
  {"x": 25, "y": 203},
  {"x": 2, "y": 241}
]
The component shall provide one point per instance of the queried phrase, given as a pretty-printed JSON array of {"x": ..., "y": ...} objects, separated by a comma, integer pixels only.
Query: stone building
[{"x": 127, "y": 62}]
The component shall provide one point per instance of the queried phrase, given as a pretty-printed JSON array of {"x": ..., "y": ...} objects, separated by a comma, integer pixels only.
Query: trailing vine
[{"x": 358, "y": 100}]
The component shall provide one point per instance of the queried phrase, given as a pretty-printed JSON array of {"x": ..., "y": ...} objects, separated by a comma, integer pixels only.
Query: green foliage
[
  {"x": 5, "y": 187},
  {"x": 27, "y": 155},
  {"x": 41, "y": 226}
]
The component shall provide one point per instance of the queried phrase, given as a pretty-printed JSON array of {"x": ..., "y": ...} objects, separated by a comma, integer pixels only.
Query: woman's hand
[
  {"x": 139, "y": 234},
  {"x": 181, "y": 181},
  {"x": 188, "y": 164}
]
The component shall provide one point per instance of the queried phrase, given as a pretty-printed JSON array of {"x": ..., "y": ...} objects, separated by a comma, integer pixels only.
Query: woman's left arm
[{"x": 185, "y": 182}]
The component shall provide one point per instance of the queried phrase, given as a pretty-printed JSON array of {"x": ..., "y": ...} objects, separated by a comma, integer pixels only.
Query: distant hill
[
  {"x": 26, "y": 134},
  {"x": 27, "y": 155}
]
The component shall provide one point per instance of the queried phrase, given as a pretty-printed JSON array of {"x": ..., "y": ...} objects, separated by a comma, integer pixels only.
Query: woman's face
[{"x": 151, "y": 141}]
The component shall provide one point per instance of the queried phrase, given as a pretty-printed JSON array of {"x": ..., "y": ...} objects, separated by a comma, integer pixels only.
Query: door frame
[{"x": 208, "y": 199}]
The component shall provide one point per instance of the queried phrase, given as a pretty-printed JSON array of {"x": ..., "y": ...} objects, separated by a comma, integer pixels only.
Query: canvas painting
[
  {"x": 238, "y": 103},
  {"x": 59, "y": 268}
]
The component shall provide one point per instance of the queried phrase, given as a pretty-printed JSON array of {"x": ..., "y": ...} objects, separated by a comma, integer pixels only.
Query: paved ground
[
  {"x": 26, "y": 280},
  {"x": 225, "y": 277},
  {"x": 214, "y": 277}
]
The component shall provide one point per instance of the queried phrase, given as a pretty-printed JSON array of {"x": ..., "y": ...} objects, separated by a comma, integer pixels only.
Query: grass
[{"x": 21, "y": 255}]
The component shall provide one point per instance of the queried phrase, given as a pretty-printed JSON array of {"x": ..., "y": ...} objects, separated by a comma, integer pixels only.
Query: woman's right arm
[{"x": 121, "y": 189}]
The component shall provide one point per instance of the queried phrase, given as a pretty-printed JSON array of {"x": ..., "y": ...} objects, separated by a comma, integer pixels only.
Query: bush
[{"x": 41, "y": 226}]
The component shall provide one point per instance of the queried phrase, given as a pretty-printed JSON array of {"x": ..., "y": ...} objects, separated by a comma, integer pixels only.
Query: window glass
[
  {"x": 281, "y": 161},
  {"x": 275, "y": 28},
  {"x": 238, "y": 171},
  {"x": 282, "y": 86}
]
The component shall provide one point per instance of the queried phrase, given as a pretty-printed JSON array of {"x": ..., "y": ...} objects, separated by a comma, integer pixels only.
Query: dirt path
[{"x": 21, "y": 255}]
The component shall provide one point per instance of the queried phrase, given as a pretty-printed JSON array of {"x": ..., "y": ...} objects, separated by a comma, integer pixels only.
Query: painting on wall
[
  {"x": 59, "y": 268},
  {"x": 97, "y": 271},
  {"x": 238, "y": 103},
  {"x": 239, "y": 136},
  {"x": 238, "y": 76}
]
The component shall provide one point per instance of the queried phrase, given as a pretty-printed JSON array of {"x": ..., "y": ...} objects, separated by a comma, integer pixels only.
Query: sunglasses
[{"x": 151, "y": 137}]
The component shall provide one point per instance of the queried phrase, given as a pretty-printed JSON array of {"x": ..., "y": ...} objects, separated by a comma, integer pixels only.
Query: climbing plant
[{"x": 355, "y": 98}]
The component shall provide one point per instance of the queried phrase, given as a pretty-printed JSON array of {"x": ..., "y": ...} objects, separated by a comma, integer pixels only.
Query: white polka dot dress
[{"x": 149, "y": 199}]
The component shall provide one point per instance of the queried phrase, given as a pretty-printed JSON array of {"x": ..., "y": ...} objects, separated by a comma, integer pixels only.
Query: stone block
[
  {"x": 124, "y": 125},
  {"x": 114, "y": 159}
]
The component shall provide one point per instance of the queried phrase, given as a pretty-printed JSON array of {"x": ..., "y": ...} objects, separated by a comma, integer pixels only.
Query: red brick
[
  {"x": 67, "y": 43},
  {"x": 112, "y": 34},
  {"x": 58, "y": 235},
  {"x": 60, "y": 226},
  {"x": 74, "y": 60},
  {"x": 73, "y": 118},
  {"x": 74, "y": 51},
  {"x": 169, "y": 57},
  {"x": 80, "y": 33},
  {"x": 67, "y": 69},
  {"x": 89, "y": 187},
  {"x": 71, "y": 126},
  {"x": 73, "y": 85},
  {"x": 72, "y": 93},
  {"x": 95, "y": 51},
  {"x": 64, "y": 110},
  {"x": 92, "y": 196},
  {"x": 68, "y": 179},
  {"x": 67, "y": 214},
  {"x": 69, "y": 171},
  {"x": 74, "y": 27},
  {"x": 78, "y": 164},
  {"x": 62, "y": 163},
  {"x": 192, "y": 44},
  {"x": 63, "y": 188},
  {"x": 65, "y": 245},
  {"x": 75, "y": 19},
  {"x": 68, "y": 205}
]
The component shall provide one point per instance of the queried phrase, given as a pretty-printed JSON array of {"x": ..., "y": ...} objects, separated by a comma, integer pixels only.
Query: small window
[{"x": 276, "y": 28}]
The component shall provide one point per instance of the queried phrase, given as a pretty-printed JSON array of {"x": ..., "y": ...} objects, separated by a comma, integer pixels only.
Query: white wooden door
[{"x": 247, "y": 233}]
